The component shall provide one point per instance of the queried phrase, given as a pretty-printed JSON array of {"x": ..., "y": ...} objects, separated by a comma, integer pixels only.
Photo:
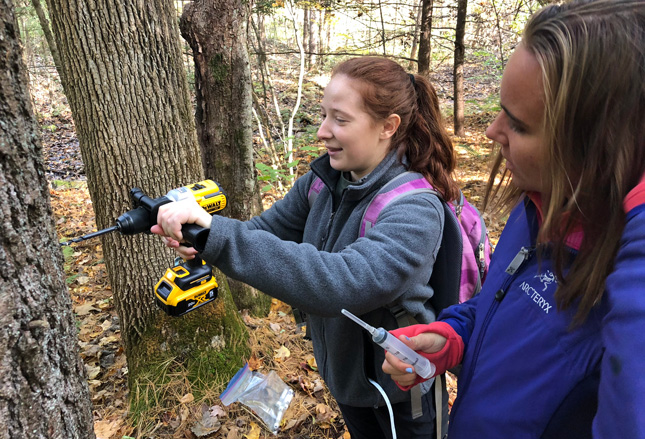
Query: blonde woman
[{"x": 554, "y": 345}]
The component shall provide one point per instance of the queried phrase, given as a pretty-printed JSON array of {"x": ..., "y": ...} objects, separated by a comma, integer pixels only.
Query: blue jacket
[
  {"x": 525, "y": 374},
  {"x": 312, "y": 258}
]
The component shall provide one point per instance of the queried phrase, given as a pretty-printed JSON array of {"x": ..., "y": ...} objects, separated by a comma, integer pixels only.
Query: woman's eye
[{"x": 515, "y": 127}]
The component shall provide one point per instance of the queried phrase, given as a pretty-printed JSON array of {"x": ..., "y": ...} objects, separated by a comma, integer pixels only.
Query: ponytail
[{"x": 427, "y": 143}]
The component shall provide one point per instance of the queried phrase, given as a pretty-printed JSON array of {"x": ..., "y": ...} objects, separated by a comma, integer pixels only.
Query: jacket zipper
[
  {"x": 513, "y": 269},
  {"x": 323, "y": 242}
]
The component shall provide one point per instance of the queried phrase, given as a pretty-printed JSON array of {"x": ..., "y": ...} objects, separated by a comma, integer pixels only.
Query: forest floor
[{"x": 278, "y": 344}]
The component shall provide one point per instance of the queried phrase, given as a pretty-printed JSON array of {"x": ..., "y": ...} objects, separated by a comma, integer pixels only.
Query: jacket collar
[
  {"x": 573, "y": 239},
  {"x": 636, "y": 196},
  {"x": 389, "y": 167}
]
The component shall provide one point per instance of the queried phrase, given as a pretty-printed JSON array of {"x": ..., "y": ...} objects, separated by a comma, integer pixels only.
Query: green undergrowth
[{"x": 163, "y": 385}]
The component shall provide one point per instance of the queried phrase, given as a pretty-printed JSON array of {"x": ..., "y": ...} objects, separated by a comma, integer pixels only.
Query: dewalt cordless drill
[{"x": 189, "y": 284}]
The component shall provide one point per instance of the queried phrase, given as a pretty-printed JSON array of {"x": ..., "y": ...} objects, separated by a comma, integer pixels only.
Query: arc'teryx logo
[{"x": 546, "y": 278}]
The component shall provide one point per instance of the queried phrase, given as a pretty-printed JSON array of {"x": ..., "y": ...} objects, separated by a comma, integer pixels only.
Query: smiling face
[
  {"x": 356, "y": 143},
  {"x": 519, "y": 126}
]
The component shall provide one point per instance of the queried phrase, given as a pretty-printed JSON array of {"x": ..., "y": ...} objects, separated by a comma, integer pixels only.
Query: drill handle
[
  {"x": 196, "y": 262},
  {"x": 196, "y": 236}
]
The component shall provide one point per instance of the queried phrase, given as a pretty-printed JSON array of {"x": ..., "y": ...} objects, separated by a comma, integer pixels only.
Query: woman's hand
[
  {"x": 172, "y": 217},
  {"x": 437, "y": 341},
  {"x": 402, "y": 373}
]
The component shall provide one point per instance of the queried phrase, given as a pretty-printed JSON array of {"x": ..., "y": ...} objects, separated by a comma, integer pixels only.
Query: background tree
[
  {"x": 458, "y": 68},
  {"x": 127, "y": 89},
  {"x": 43, "y": 391},
  {"x": 425, "y": 38},
  {"x": 223, "y": 112}
]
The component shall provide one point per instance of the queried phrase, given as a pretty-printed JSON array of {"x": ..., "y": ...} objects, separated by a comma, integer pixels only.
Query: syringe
[{"x": 422, "y": 366}]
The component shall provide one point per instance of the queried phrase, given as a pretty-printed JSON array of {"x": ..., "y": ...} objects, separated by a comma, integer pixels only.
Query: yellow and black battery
[{"x": 186, "y": 287}]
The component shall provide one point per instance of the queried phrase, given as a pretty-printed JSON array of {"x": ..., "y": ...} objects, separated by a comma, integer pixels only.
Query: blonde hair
[{"x": 592, "y": 57}]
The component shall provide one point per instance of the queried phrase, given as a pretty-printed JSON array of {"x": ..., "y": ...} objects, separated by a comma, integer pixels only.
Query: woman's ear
[{"x": 390, "y": 125}]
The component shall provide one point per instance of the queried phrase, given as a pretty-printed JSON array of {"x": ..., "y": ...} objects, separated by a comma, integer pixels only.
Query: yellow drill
[{"x": 189, "y": 284}]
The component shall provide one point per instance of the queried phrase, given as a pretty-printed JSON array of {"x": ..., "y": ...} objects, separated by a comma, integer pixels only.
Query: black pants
[{"x": 374, "y": 423}]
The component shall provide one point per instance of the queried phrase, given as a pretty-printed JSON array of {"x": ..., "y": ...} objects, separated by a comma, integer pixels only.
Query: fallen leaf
[
  {"x": 82, "y": 280},
  {"x": 233, "y": 433},
  {"x": 217, "y": 411},
  {"x": 83, "y": 310},
  {"x": 92, "y": 371},
  {"x": 324, "y": 414},
  {"x": 281, "y": 354},
  {"x": 107, "y": 340},
  {"x": 255, "y": 363},
  {"x": 311, "y": 361},
  {"x": 105, "y": 428},
  {"x": 188, "y": 397},
  {"x": 254, "y": 433},
  {"x": 208, "y": 424},
  {"x": 318, "y": 385}
]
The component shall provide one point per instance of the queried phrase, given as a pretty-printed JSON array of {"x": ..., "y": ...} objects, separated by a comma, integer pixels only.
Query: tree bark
[
  {"x": 128, "y": 92},
  {"x": 215, "y": 31},
  {"x": 43, "y": 387},
  {"x": 458, "y": 68},
  {"x": 425, "y": 38}
]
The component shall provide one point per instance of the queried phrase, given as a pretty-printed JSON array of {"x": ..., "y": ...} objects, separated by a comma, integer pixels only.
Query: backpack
[{"x": 464, "y": 254}]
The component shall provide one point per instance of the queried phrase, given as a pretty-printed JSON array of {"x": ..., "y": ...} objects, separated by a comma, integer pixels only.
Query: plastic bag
[{"x": 267, "y": 395}]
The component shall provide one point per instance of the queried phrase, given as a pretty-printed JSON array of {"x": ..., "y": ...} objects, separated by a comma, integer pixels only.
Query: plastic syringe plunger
[{"x": 422, "y": 366}]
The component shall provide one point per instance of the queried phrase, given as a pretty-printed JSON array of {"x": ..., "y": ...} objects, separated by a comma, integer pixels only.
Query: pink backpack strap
[
  {"x": 314, "y": 190},
  {"x": 384, "y": 198}
]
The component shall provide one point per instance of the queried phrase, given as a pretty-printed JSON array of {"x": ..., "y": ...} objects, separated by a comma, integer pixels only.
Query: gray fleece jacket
[{"x": 314, "y": 260}]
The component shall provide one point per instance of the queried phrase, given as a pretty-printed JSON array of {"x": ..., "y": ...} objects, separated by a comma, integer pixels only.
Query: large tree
[
  {"x": 127, "y": 89},
  {"x": 216, "y": 32},
  {"x": 43, "y": 391}
]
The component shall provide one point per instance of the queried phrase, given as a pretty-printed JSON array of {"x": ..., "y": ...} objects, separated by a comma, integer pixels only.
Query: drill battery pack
[{"x": 185, "y": 287}]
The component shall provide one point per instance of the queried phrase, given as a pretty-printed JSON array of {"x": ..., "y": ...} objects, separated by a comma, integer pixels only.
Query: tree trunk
[
  {"x": 425, "y": 39},
  {"x": 383, "y": 39},
  {"x": 328, "y": 17},
  {"x": 215, "y": 32},
  {"x": 44, "y": 24},
  {"x": 43, "y": 387},
  {"x": 306, "y": 18},
  {"x": 321, "y": 42},
  {"x": 128, "y": 93},
  {"x": 415, "y": 37},
  {"x": 312, "y": 40},
  {"x": 458, "y": 67}
]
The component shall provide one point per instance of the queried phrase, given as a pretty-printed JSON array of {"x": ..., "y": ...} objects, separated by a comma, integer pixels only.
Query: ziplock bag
[{"x": 267, "y": 395}]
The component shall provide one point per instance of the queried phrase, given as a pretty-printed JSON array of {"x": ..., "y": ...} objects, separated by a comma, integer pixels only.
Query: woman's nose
[
  {"x": 323, "y": 131},
  {"x": 493, "y": 131}
]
